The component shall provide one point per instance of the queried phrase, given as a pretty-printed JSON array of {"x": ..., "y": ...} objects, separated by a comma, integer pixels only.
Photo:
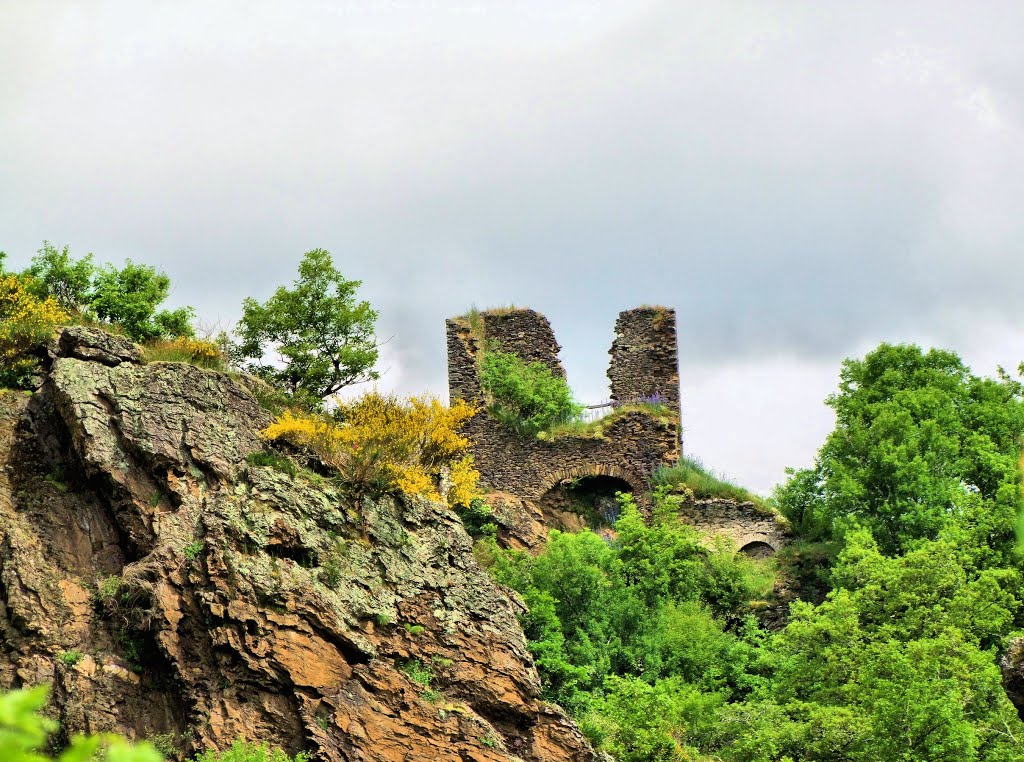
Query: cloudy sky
[{"x": 800, "y": 180}]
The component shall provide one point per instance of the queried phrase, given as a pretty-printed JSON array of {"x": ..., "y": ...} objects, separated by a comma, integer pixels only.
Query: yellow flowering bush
[
  {"x": 384, "y": 442},
  {"x": 26, "y": 324}
]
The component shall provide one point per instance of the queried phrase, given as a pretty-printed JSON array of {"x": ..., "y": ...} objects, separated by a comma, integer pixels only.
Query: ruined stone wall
[
  {"x": 631, "y": 447},
  {"x": 645, "y": 356},
  {"x": 525, "y": 333},
  {"x": 750, "y": 527},
  {"x": 644, "y": 362}
]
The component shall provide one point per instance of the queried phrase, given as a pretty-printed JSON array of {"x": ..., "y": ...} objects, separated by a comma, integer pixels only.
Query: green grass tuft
[
  {"x": 268, "y": 459},
  {"x": 70, "y": 658},
  {"x": 596, "y": 429},
  {"x": 705, "y": 483}
]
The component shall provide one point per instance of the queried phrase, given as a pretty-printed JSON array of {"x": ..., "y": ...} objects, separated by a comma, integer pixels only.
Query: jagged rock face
[
  {"x": 167, "y": 586},
  {"x": 1012, "y": 666}
]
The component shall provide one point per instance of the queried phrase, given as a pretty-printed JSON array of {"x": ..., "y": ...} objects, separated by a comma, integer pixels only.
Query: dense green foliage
[
  {"x": 526, "y": 397},
  {"x": 323, "y": 338},
  {"x": 127, "y": 297},
  {"x": 242, "y": 751},
  {"x": 920, "y": 446},
  {"x": 643, "y": 637},
  {"x": 646, "y": 615},
  {"x": 55, "y": 273},
  {"x": 57, "y": 289},
  {"x": 25, "y": 735}
]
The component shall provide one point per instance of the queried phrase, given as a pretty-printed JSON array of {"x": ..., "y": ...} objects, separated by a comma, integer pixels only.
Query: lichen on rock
[{"x": 209, "y": 598}]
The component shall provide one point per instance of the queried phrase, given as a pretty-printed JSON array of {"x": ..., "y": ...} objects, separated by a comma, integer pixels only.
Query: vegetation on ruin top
[{"x": 705, "y": 483}]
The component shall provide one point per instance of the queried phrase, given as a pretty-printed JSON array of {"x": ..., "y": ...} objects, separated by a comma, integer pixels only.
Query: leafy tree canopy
[
  {"x": 322, "y": 336},
  {"x": 920, "y": 445},
  {"x": 54, "y": 272},
  {"x": 130, "y": 295}
]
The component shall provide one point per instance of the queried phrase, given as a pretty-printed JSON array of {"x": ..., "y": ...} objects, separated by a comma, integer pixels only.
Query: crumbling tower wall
[{"x": 645, "y": 357}]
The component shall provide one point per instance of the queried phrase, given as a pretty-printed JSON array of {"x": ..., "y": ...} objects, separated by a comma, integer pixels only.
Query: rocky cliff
[{"x": 170, "y": 587}]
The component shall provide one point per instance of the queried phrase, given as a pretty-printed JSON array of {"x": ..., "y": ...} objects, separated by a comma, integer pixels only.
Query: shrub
[
  {"x": 193, "y": 550},
  {"x": 243, "y": 751},
  {"x": 383, "y": 443},
  {"x": 70, "y": 658},
  {"x": 331, "y": 573},
  {"x": 418, "y": 672},
  {"x": 129, "y": 297},
  {"x": 124, "y": 299},
  {"x": 272, "y": 460},
  {"x": 478, "y": 518},
  {"x": 526, "y": 397},
  {"x": 24, "y": 732},
  {"x": 56, "y": 274},
  {"x": 110, "y": 594},
  {"x": 27, "y": 323}
]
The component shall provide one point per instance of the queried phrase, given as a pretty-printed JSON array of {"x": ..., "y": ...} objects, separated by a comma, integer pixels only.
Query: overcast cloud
[{"x": 799, "y": 180}]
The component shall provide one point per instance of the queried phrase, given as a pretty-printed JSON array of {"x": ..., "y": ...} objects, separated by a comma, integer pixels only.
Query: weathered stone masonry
[
  {"x": 755, "y": 531},
  {"x": 645, "y": 358},
  {"x": 644, "y": 363},
  {"x": 632, "y": 446}
]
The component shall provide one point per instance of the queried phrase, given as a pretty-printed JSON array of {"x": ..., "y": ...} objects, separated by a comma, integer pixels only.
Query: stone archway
[
  {"x": 574, "y": 473},
  {"x": 585, "y": 497},
  {"x": 757, "y": 549}
]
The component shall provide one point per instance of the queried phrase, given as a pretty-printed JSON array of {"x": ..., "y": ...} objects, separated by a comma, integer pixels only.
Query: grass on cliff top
[
  {"x": 704, "y": 482},
  {"x": 199, "y": 352}
]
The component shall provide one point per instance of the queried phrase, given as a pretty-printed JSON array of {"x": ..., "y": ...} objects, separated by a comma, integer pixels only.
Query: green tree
[
  {"x": 323, "y": 338},
  {"x": 526, "y": 397},
  {"x": 54, "y": 272},
  {"x": 920, "y": 443},
  {"x": 129, "y": 296}
]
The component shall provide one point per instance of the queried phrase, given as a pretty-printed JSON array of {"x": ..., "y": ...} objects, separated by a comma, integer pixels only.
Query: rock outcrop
[
  {"x": 170, "y": 586},
  {"x": 1012, "y": 666}
]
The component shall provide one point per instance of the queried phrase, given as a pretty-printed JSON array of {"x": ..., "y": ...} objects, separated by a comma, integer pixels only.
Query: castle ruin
[
  {"x": 544, "y": 475},
  {"x": 643, "y": 364}
]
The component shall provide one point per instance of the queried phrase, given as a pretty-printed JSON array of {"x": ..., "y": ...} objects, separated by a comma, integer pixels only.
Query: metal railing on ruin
[{"x": 598, "y": 411}]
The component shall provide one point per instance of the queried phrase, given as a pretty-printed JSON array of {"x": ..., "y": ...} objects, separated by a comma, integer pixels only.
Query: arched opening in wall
[
  {"x": 588, "y": 502},
  {"x": 757, "y": 549}
]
